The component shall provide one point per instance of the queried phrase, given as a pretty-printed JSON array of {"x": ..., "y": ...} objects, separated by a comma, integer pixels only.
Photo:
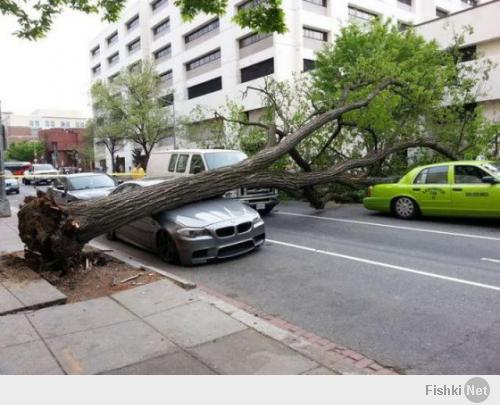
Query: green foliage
[
  {"x": 25, "y": 151},
  {"x": 36, "y": 21}
]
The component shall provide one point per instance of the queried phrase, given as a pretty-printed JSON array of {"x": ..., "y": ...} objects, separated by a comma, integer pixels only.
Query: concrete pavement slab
[
  {"x": 248, "y": 352},
  {"x": 108, "y": 348},
  {"x": 70, "y": 318},
  {"x": 180, "y": 363},
  {"x": 319, "y": 371},
  {"x": 8, "y": 303},
  {"x": 194, "y": 324},
  {"x": 15, "y": 329},
  {"x": 28, "y": 358},
  {"x": 33, "y": 293},
  {"x": 153, "y": 298}
]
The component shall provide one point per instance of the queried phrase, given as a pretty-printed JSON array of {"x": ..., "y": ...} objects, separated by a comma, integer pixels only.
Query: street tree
[
  {"x": 35, "y": 19},
  {"x": 26, "y": 151}
]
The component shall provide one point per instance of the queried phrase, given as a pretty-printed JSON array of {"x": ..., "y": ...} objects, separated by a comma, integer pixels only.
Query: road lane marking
[
  {"x": 405, "y": 228},
  {"x": 387, "y": 265},
  {"x": 487, "y": 259}
]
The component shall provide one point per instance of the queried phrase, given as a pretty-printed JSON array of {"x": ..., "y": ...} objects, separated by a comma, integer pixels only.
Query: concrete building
[
  {"x": 26, "y": 127},
  {"x": 209, "y": 60},
  {"x": 484, "y": 42}
]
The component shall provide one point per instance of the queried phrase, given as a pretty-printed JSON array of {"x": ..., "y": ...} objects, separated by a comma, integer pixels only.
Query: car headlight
[
  {"x": 257, "y": 221},
  {"x": 231, "y": 194},
  {"x": 193, "y": 232}
]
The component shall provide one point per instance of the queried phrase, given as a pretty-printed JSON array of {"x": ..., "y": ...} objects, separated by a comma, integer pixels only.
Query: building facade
[
  {"x": 209, "y": 60},
  {"x": 26, "y": 127},
  {"x": 65, "y": 147}
]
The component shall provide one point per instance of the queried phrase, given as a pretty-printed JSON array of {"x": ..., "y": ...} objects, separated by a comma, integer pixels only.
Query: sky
[{"x": 51, "y": 73}]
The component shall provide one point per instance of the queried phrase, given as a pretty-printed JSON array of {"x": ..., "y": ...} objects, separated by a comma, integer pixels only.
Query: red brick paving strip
[{"x": 349, "y": 356}]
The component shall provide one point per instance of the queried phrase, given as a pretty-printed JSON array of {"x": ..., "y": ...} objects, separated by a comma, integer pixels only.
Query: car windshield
[
  {"x": 492, "y": 168},
  {"x": 86, "y": 182},
  {"x": 221, "y": 159},
  {"x": 43, "y": 167}
]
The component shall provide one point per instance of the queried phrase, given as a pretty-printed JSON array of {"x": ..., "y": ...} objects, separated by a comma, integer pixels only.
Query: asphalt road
[{"x": 421, "y": 296}]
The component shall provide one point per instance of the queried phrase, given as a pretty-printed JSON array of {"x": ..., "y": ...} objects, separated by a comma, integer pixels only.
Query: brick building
[{"x": 64, "y": 147}]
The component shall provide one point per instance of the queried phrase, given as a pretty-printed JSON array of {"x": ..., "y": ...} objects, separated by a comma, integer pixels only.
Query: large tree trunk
[{"x": 58, "y": 233}]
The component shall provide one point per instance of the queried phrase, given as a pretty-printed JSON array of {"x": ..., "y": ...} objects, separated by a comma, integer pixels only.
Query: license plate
[{"x": 261, "y": 206}]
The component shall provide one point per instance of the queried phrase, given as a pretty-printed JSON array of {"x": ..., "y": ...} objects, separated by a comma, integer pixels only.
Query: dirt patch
[{"x": 100, "y": 275}]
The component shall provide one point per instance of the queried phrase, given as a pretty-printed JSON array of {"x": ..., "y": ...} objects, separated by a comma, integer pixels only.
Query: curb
[{"x": 181, "y": 282}]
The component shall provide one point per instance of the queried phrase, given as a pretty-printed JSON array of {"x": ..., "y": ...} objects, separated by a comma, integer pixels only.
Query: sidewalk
[
  {"x": 9, "y": 237},
  {"x": 161, "y": 328}
]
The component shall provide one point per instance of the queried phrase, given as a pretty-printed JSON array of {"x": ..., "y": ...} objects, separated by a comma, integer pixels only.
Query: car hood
[
  {"x": 205, "y": 213},
  {"x": 11, "y": 182},
  {"x": 90, "y": 193},
  {"x": 45, "y": 172}
]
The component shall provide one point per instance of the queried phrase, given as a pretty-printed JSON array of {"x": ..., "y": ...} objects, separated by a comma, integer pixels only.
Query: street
[{"x": 420, "y": 296}]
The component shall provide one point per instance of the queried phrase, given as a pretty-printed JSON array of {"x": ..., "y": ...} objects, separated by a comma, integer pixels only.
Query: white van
[{"x": 186, "y": 162}]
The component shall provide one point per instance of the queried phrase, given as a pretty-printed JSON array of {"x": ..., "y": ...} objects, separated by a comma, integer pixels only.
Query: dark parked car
[
  {"x": 82, "y": 186},
  {"x": 195, "y": 233}
]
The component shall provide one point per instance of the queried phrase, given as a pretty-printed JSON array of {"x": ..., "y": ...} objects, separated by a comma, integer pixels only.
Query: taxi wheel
[
  {"x": 405, "y": 208},
  {"x": 166, "y": 247}
]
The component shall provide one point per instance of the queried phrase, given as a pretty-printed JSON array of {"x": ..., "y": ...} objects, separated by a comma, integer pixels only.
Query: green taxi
[{"x": 462, "y": 189}]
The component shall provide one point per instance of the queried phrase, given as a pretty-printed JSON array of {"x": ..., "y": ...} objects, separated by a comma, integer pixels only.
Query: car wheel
[
  {"x": 17, "y": 191},
  {"x": 166, "y": 247},
  {"x": 405, "y": 208}
]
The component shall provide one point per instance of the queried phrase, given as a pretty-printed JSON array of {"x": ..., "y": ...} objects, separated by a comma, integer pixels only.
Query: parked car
[
  {"x": 81, "y": 186},
  {"x": 11, "y": 183},
  {"x": 187, "y": 162},
  {"x": 466, "y": 188},
  {"x": 42, "y": 173},
  {"x": 194, "y": 233}
]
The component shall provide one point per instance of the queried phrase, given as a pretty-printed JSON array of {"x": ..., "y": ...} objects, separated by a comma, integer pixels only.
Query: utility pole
[{"x": 4, "y": 202}]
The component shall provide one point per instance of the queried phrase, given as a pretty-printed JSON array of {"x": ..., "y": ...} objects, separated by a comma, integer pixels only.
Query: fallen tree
[{"x": 58, "y": 233}]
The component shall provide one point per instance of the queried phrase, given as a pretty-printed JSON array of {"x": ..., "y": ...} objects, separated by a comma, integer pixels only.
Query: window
[
  {"x": 112, "y": 38},
  {"x": 433, "y": 175},
  {"x": 403, "y": 26},
  {"x": 135, "y": 67},
  {"x": 250, "y": 4},
  {"x": 96, "y": 69},
  {"x": 260, "y": 69},
  {"x": 32, "y": 124},
  {"x": 322, "y": 3},
  {"x": 315, "y": 34},
  {"x": 406, "y": 2},
  {"x": 113, "y": 58},
  {"x": 95, "y": 51},
  {"x": 134, "y": 45},
  {"x": 52, "y": 124},
  {"x": 155, "y": 5},
  {"x": 63, "y": 124},
  {"x": 441, "y": 13},
  {"x": 164, "y": 52},
  {"x": 356, "y": 14},
  {"x": 197, "y": 165},
  {"x": 167, "y": 100},
  {"x": 203, "y": 60},
  {"x": 173, "y": 161},
  {"x": 47, "y": 124},
  {"x": 252, "y": 39},
  {"x": 309, "y": 64},
  {"x": 182, "y": 163},
  {"x": 207, "y": 87},
  {"x": 469, "y": 175},
  {"x": 165, "y": 76},
  {"x": 132, "y": 23},
  {"x": 161, "y": 27},
  {"x": 203, "y": 30},
  {"x": 468, "y": 53},
  {"x": 112, "y": 78}
]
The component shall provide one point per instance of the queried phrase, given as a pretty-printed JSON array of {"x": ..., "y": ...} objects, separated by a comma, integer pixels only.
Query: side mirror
[
  {"x": 119, "y": 181},
  {"x": 489, "y": 180}
]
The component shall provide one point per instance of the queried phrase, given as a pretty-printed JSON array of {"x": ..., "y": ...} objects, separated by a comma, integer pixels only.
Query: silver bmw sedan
[{"x": 194, "y": 233}]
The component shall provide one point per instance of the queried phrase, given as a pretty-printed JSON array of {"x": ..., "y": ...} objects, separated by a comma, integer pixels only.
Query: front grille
[
  {"x": 225, "y": 232},
  {"x": 244, "y": 227},
  {"x": 235, "y": 249}
]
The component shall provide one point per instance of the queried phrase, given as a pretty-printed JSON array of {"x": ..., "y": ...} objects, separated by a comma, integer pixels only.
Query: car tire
[
  {"x": 17, "y": 191},
  {"x": 405, "y": 208},
  {"x": 167, "y": 250}
]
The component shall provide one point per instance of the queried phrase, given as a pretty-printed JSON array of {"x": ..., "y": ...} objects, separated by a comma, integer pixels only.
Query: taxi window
[
  {"x": 182, "y": 163},
  {"x": 469, "y": 175},
  {"x": 173, "y": 161},
  {"x": 433, "y": 175}
]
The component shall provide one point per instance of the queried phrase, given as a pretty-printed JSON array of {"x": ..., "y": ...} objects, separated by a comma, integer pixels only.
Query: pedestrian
[{"x": 137, "y": 172}]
